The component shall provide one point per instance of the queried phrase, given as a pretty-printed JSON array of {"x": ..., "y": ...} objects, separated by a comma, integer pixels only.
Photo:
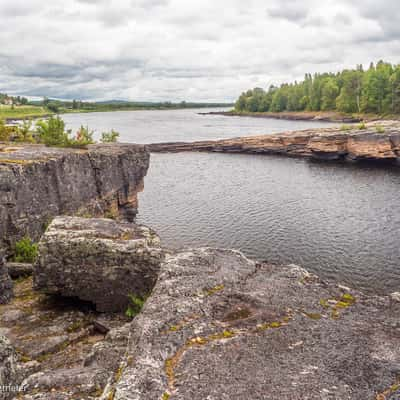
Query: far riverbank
[{"x": 328, "y": 116}]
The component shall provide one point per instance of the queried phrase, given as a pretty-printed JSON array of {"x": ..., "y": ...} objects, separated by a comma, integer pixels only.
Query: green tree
[
  {"x": 330, "y": 91},
  {"x": 52, "y": 132}
]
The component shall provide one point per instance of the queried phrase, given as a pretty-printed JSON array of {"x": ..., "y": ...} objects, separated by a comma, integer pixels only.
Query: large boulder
[
  {"x": 6, "y": 285},
  {"x": 98, "y": 260},
  {"x": 219, "y": 326}
]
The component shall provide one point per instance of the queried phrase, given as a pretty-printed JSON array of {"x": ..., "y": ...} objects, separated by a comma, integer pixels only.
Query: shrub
[
  {"x": 83, "y": 137},
  {"x": 135, "y": 306},
  {"x": 380, "y": 129},
  {"x": 52, "y": 132},
  {"x": 24, "y": 133},
  {"x": 362, "y": 126},
  {"x": 25, "y": 251},
  {"x": 4, "y": 132},
  {"x": 109, "y": 137},
  {"x": 53, "y": 107}
]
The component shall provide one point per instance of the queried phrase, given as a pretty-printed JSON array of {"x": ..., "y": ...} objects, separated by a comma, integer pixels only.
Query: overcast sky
[{"x": 202, "y": 50}]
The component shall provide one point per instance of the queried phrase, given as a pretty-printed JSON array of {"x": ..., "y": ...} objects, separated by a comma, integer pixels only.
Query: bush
[
  {"x": 4, "y": 132},
  {"x": 135, "y": 306},
  {"x": 52, "y": 132},
  {"x": 24, "y": 133},
  {"x": 109, "y": 137},
  {"x": 362, "y": 126},
  {"x": 25, "y": 251},
  {"x": 83, "y": 137},
  {"x": 380, "y": 129}
]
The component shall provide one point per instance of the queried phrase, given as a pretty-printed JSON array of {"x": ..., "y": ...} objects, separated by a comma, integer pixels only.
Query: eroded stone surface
[
  {"x": 50, "y": 339},
  {"x": 98, "y": 260},
  {"x": 6, "y": 286},
  {"x": 38, "y": 183},
  {"x": 8, "y": 368},
  {"x": 323, "y": 144},
  {"x": 219, "y": 326}
]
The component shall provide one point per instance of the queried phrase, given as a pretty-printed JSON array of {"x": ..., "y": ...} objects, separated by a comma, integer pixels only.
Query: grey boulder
[{"x": 98, "y": 260}]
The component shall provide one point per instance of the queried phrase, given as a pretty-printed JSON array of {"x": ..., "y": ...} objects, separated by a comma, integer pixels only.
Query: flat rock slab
[
  {"x": 98, "y": 260},
  {"x": 219, "y": 326}
]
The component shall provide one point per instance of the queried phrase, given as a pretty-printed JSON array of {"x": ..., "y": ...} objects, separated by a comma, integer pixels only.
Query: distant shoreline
[
  {"x": 21, "y": 117},
  {"x": 304, "y": 116}
]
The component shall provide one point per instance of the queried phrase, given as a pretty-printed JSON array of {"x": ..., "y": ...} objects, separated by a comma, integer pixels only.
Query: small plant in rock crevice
[
  {"x": 135, "y": 306},
  {"x": 25, "y": 251}
]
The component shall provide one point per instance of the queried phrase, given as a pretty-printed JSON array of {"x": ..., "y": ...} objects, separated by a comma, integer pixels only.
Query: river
[{"x": 340, "y": 221}]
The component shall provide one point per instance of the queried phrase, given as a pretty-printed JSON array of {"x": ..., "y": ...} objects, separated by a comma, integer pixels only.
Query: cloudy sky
[{"x": 201, "y": 50}]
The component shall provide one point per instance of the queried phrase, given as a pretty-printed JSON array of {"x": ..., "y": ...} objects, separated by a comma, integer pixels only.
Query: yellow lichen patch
[
  {"x": 388, "y": 392},
  {"x": 314, "y": 316},
  {"x": 222, "y": 335},
  {"x": 165, "y": 396},
  {"x": 118, "y": 374},
  {"x": 16, "y": 161},
  {"x": 170, "y": 365},
  {"x": 274, "y": 324},
  {"x": 213, "y": 290},
  {"x": 324, "y": 303},
  {"x": 341, "y": 303},
  {"x": 9, "y": 149}
]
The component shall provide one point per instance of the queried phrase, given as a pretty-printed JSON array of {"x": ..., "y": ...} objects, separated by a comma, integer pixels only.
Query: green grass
[{"x": 19, "y": 112}]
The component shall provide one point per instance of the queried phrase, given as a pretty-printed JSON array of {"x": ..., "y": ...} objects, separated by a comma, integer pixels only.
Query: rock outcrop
[
  {"x": 98, "y": 260},
  {"x": 329, "y": 116},
  {"x": 218, "y": 326},
  {"x": 6, "y": 286},
  {"x": 8, "y": 370},
  {"x": 52, "y": 338},
  {"x": 38, "y": 183},
  {"x": 321, "y": 144}
]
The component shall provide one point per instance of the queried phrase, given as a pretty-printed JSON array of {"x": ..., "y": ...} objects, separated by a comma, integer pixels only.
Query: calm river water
[{"x": 339, "y": 221}]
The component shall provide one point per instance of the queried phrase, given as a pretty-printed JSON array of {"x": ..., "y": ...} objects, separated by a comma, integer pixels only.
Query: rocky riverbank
[
  {"x": 328, "y": 116},
  {"x": 374, "y": 143},
  {"x": 111, "y": 315},
  {"x": 216, "y": 325}
]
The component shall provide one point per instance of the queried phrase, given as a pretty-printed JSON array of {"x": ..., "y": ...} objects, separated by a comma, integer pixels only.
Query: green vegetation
[
  {"x": 362, "y": 126},
  {"x": 135, "y": 306},
  {"x": 375, "y": 90},
  {"x": 51, "y": 132},
  {"x": 20, "y": 112},
  {"x": 25, "y": 251},
  {"x": 17, "y": 107},
  {"x": 109, "y": 137},
  {"x": 380, "y": 129},
  {"x": 78, "y": 106}
]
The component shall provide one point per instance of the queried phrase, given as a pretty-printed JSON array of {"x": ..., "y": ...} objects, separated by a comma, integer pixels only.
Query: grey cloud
[{"x": 175, "y": 49}]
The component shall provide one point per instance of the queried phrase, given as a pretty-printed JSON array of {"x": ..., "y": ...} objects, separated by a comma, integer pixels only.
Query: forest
[{"x": 375, "y": 90}]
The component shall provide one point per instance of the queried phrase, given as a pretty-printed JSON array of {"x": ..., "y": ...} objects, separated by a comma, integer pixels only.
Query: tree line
[{"x": 375, "y": 90}]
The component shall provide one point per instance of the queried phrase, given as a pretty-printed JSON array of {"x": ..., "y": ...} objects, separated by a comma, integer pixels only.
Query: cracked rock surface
[
  {"x": 6, "y": 286},
  {"x": 49, "y": 346},
  {"x": 38, "y": 183},
  {"x": 219, "y": 326}
]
